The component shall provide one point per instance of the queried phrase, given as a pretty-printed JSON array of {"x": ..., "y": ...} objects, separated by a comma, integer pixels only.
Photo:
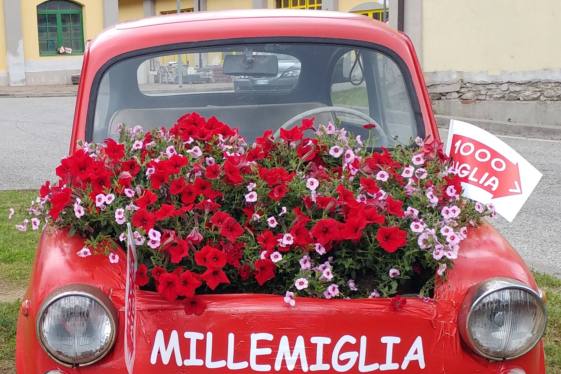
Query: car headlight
[
  {"x": 502, "y": 319},
  {"x": 77, "y": 325}
]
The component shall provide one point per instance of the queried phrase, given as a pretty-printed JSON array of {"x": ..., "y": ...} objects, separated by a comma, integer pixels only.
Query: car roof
[{"x": 240, "y": 24}]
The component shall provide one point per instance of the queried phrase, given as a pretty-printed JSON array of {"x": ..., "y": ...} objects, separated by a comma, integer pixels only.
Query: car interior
[{"x": 147, "y": 90}]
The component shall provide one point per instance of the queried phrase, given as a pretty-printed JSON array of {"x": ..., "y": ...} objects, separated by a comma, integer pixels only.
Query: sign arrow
[{"x": 484, "y": 167}]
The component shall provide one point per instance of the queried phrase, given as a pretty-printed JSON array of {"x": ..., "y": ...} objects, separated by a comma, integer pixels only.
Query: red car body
[{"x": 485, "y": 254}]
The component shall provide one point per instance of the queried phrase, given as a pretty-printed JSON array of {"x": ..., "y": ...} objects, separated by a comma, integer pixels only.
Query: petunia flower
[
  {"x": 113, "y": 258},
  {"x": 352, "y": 285},
  {"x": 120, "y": 216},
  {"x": 276, "y": 257},
  {"x": 251, "y": 197},
  {"x": 129, "y": 192},
  {"x": 35, "y": 222},
  {"x": 100, "y": 200},
  {"x": 382, "y": 176},
  {"x": 333, "y": 290},
  {"x": 418, "y": 159},
  {"x": 393, "y": 273},
  {"x": 272, "y": 222},
  {"x": 84, "y": 252},
  {"x": 312, "y": 184},
  {"x": 301, "y": 283},
  {"x": 336, "y": 151},
  {"x": 23, "y": 226},
  {"x": 305, "y": 262},
  {"x": 289, "y": 298},
  {"x": 407, "y": 172}
]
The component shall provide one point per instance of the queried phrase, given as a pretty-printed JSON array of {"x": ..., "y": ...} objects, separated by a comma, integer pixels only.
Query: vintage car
[{"x": 487, "y": 317}]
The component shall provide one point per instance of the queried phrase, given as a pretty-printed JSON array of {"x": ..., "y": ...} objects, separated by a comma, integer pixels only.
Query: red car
[{"x": 488, "y": 317}]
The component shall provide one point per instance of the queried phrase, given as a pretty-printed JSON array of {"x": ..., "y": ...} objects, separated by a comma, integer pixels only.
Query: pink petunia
[
  {"x": 289, "y": 298},
  {"x": 113, "y": 258},
  {"x": 394, "y": 273},
  {"x": 301, "y": 283},
  {"x": 84, "y": 252}
]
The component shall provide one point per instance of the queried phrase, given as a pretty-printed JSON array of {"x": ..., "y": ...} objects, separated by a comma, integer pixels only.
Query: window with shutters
[
  {"x": 299, "y": 4},
  {"x": 60, "y": 27}
]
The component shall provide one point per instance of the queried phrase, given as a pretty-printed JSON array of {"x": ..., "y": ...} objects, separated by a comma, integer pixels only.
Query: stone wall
[{"x": 504, "y": 91}]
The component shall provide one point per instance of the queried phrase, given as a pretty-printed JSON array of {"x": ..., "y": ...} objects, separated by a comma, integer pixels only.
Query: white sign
[
  {"x": 130, "y": 302},
  {"x": 491, "y": 170}
]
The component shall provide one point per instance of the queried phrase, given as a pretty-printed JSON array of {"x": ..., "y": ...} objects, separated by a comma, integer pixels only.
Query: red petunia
[
  {"x": 325, "y": 230},
  {"x": 45, "y": 189},
  {"x": 391, "y": 238},
  {"x": 352, "y": 229},
  {"x": 60, "y": 198},
  {"x": 177, "y": 250},
  {"x": 213, "y": 277},
  {"x": 264, "y": 270},
  {"x": 142, "y": 277},
  {"x": 168, "y": 286},
  {"x": 143, "y": 218},
  {"x": 166, "y": 211},
  {"x": 177, "y": 186},
  {"x": 267, "y": 240},
  {"x": 203, "y": 187},
  {"x": 210, "y": 257},
  {"x": 147, "y": 199},
  {"x": 245, "y": 272},
  {"x": 212, "y": 171},
  {"x": 188, "y": 283},
  {"x": 278, "y": 192},
  {"x": 371, "y": 215},
  {"x": 114, "y": 150},
  {"x": 130, "y": 166},
  {"x": 156, "y": 272},
  {"x": 219, "y": 218},
  {"x": 194, "y": 305},
  {"x": 369, "y": 185},
  {"x": 232, "y": 173},
  {"x": 394, "y": 207},
  {"x": 189, "y": 194},
  {"x": 231, "y": 229}
]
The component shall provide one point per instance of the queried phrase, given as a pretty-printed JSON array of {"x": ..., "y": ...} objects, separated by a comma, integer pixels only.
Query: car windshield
[{"x": 259, "y": 86}]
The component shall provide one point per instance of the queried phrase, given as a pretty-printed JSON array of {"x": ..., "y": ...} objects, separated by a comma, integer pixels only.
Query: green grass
[
  {"x": 552, "y": 288},
  {"x": 16, "y": 248},
  {"x": 355, "y": 96},
  {"x": 8, "y": 317},
  {"x": 16, "y": 255}
]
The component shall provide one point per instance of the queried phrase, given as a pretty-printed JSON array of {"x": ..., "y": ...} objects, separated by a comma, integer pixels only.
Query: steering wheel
[{"x": 334, "y": 109}]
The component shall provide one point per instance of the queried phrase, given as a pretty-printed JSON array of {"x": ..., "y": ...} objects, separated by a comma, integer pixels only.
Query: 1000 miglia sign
[{"x": 266, "y": 352}]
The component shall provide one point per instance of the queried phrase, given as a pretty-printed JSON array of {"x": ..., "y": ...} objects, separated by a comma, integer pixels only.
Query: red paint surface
[{"x": 483, "y": 255}]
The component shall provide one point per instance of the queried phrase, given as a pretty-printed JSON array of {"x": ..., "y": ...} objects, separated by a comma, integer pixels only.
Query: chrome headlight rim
[
  {"x": 84, "y": 290},
  {"x": 479, "y": 292}
]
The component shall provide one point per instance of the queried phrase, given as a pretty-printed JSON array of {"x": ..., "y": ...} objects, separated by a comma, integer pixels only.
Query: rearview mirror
[{"x": 251, "y": 65}]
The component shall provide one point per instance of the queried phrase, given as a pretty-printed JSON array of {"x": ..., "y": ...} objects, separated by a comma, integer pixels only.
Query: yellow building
[{"x": 42, "y": 41}]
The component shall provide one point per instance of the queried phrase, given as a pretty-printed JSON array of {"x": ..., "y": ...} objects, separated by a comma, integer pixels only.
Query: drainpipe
[{"x": 400, "y": 15}]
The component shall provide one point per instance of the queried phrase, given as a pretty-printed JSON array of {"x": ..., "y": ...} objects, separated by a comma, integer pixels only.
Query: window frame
[
  {"x": 302, "y": 4},
  {"x": 404, "y": 69},
  {"x": 58, "y": 14}
]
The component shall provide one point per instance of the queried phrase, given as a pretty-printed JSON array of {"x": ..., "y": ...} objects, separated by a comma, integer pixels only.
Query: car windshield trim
[{"x": 171, "y": 48}]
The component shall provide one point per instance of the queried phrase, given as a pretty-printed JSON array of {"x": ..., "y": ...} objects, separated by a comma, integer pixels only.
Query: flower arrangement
[{"x": 321, "y": 217}]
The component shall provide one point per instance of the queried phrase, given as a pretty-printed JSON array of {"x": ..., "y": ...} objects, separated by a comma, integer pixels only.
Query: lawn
[{"x": 16, "y": 255}]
